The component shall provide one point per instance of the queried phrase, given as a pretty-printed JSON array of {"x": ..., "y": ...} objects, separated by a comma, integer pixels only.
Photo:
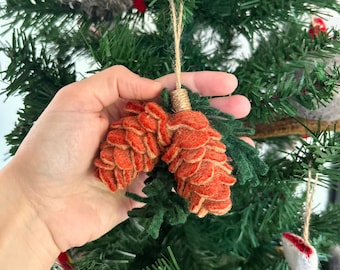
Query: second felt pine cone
[
  {"x": 133, "y": 144},
  {"x": 197, "y": 158}
]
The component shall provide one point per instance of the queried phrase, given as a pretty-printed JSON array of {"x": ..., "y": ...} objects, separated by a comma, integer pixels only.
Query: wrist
[{"x": 25, "y": 241}]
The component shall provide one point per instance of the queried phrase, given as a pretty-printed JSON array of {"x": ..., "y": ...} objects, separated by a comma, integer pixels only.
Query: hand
[{"x": 51, "y": 175}]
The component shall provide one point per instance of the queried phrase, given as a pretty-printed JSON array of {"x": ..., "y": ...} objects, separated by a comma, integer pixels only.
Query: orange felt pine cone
[
  {"x": 133, "y": 144},
  {"x": 197, "y": 158},
  {"x": 185, "y": 141}
]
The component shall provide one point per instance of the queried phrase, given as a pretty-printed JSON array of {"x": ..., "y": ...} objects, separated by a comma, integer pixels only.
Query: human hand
[{"x": 52, "y": 171}]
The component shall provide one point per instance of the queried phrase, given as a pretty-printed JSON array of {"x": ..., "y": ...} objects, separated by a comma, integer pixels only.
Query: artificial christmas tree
[{"x": 286, "y": 66}]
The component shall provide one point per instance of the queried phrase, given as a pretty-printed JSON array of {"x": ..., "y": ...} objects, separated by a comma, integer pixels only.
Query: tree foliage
[{"x": 285, "y": 68}]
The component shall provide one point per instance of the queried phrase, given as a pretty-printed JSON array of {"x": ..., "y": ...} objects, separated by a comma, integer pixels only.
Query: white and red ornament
[
  {"x": 139, "y": 5},
  {"x": 317, "y": 27},
  {"x": 65, "y": 261},
  {"x": 299, "y": 254}
]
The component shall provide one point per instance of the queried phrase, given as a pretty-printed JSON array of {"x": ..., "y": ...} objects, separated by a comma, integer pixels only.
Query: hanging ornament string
[
  {"x": 179, "y": 97},
  {"x": 310, "y": 192},
  {"x": 299, "y": 253},
  {"x": 177, "y": 28},
  {"x": 196, "y": 157}
]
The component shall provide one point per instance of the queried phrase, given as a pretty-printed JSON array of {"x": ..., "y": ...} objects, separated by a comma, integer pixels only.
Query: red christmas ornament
[
  {"x": 317, "y": 27},
  {"x": 139, "y": 5},
  {"x": 65, "y": 261}
]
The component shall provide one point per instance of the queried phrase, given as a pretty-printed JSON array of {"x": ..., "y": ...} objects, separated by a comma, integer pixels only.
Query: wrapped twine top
[
  {"x": 179, "y": 97},
  {"x": 180, "y": 100}
]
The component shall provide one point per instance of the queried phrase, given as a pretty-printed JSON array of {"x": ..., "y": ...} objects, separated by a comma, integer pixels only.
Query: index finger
[
  {"x": 207, "y": 83},
  {"x": 105, "y": 88}
]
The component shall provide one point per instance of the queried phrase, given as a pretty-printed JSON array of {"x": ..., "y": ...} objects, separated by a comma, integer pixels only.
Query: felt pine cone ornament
[
  {"x": 185, "y": 141},
  {"x": 133, "y": 145},
  {"x": 197, "y": 158}
]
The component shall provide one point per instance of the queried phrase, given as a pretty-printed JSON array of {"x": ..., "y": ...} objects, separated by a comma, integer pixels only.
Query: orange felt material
[
  {"x": 171, "y": 153},
  {"x": 121, "y": 157},
  {"x": 116, "y": 124},
  {"x": 132, "y": 145},
  {"x": 194, "y": 155},
  {"x": 147, "y": 121},
  {"x": 185, "y": 141},
  {"x": 217, "y": 146},
  {"x": 106, "y": 156},
  {"x": 224, "y": 176},
  {"x": 163, "y": 134},
  {"x": 190, "y": 139},
  {"x": 116, "y": 137},
  {"x": 157, "y": 113},
  {"x": 213, "y": 134},
  {"x": 174, "y": 165},
  {"x": 219, "y": 207},
  {"x": 207, "y": 172},
  {"x": 151, "y": 145},
  {"x": 134, "y": 107},
  {"x": 181, "y": 184},
  {"x": 196, "y": 202},
  {"x": 99, "y": 163},
  {"x": 138, "y": 161},
  {"x": 215, "y": 156},
  {"x": 187, "y": 169},
  {"x": 106, "y": 176},
  {"x": 149, "y": 164},
  {"x": 135, "y": 141},
  {"x": 199, "y": 163},
  {"x": 118, "y": 174},
  {"x": 226, "y": 167},
  {"x": 132, "y": 123},
  {"x": 189, "y": 119}
]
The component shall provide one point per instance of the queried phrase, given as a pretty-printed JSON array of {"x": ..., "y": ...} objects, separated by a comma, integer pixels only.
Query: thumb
[{"x": 105, "y": 88}]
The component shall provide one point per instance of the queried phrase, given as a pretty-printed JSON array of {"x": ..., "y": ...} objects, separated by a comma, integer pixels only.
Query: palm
[{"x": 64, "y": 144}]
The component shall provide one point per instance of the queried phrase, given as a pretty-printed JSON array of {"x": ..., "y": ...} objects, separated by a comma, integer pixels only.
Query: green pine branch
[
  {"x": 162, "y": 204},
  {"x": 34, "y": 16},
  {"x": 288, "y": 66},
  {"x": 165, "y": 263},
  {"x": 34, "y": 74},
  {"x": 284, "y": 67}
]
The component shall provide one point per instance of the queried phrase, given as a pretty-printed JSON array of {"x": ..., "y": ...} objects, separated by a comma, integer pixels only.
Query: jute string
[
  {"x": 179, "y": 97},
  {"x": 310, "y": 192}
]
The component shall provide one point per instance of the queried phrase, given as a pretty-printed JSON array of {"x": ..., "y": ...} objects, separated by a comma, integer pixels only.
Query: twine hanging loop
[
  {"x": 310, "y": 192},
  {"x": 179, "y": 97}
]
